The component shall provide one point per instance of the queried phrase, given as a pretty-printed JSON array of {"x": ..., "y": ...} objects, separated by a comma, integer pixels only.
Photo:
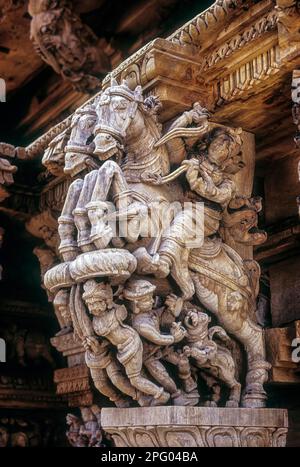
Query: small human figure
[
  {"x": 157, "y": 345},
  {"x": 108, "y": 374},
  {"x": 108, "y": 322},
  {"x": 62, "y": 311}
]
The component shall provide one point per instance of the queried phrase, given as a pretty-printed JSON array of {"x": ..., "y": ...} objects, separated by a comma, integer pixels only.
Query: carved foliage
[{"x": 193, "y": 436}]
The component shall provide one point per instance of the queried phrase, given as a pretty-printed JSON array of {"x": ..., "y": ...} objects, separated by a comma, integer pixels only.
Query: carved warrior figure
[
  {"x": 66, "y": 44},
  {"x": 123, "y": 167},
  {"x": 158, "y": 345},
  {"x": 108, "y": 322}
]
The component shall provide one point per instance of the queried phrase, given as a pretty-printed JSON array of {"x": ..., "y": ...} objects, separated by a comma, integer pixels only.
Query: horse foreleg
[
  {"x": 111, "y": 180},
  {"x": 68, "y": 247},
  {"x": 80, "y": 213},
  {"x": 110, "y": 183}
]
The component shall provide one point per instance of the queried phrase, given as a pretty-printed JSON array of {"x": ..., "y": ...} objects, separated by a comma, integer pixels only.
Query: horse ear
[
  {"x": 114, "y": 82},
  {"x": 138, "y": 93}
]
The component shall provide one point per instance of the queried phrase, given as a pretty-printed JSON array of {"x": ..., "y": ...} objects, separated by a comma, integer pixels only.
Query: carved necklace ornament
[{"x": 108, "y": 272}]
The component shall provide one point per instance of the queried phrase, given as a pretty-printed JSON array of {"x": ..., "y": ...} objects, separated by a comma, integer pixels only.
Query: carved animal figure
[{"x": 214, "y": 359}]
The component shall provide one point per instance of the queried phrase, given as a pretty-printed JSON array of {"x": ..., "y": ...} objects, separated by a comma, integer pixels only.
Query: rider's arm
[
  {"x": 177, "y": 146},
  {"x": 220, "y": 194}
]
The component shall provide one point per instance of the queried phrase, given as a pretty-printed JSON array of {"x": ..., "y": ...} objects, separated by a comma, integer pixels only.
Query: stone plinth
[{"x": 195, "y": 427}]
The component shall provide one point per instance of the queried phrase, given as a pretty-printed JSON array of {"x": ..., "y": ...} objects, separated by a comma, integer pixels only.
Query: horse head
[
  {"x": 80, "y": 147},
  {"x": 120, "y": 119}
]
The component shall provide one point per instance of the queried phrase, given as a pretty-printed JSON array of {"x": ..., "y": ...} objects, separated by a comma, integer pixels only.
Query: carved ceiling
[{"x": 38, "y": 96}]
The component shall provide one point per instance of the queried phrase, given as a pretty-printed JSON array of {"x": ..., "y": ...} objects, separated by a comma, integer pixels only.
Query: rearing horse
[{"x": 127, "y": 125}]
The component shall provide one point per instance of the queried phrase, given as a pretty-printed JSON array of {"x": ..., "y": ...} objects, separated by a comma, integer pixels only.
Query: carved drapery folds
[
  {"x": 119, "y": 233},
  {"x": 67, "y": 45}
]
